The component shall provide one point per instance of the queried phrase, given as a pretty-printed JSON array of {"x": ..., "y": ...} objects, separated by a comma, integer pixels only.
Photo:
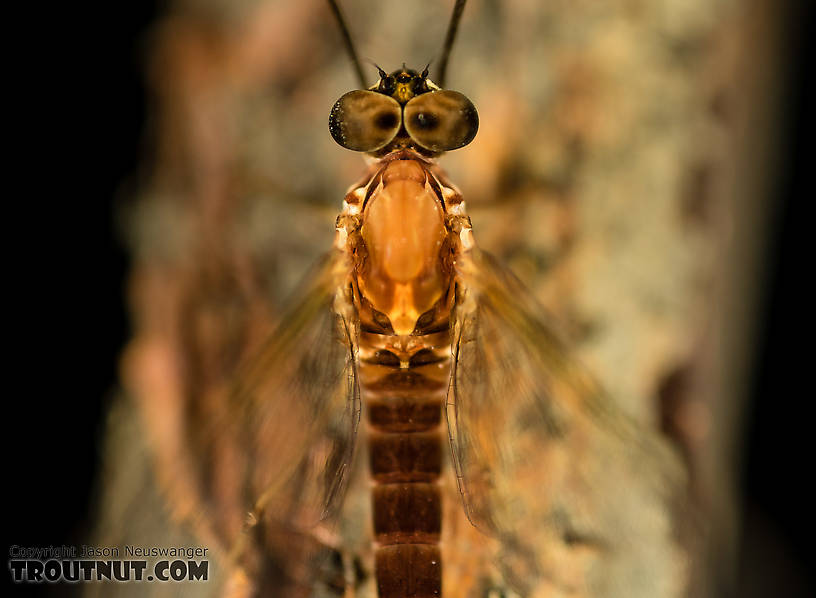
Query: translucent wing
[
  {"x": 296, "y": 405},
  {"x": 575, "y": 492}
]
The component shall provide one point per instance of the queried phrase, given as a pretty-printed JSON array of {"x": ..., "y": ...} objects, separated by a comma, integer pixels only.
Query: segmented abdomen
[{"x": 404, "y": 402}]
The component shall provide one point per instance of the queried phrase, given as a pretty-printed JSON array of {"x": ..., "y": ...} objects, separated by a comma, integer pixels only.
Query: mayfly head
[{"x": 404, "y": 109}]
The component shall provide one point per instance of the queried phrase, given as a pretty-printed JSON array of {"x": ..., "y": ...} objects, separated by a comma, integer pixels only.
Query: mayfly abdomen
[{"x": 405, "y": 431}]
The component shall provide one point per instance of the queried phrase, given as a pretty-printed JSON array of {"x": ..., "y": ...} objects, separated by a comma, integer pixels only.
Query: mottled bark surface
[{"x": 621, "y": 170}]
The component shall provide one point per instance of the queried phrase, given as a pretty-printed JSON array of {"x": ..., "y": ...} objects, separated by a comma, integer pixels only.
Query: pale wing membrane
[
  {"x": 545, "y": 462},
  {"x": 297, "y": 404}
]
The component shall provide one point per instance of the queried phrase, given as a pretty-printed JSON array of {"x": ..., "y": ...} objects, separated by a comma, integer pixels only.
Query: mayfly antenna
[
  {"x": 352, "y": 53},
  {"x": 458, "y": 8}
]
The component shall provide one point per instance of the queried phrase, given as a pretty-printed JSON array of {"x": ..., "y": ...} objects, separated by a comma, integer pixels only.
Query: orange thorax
[{"x": 403, "y": 230}]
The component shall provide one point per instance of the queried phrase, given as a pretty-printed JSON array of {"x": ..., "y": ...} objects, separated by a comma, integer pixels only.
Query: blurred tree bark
[{"x": 622, "y": 169}]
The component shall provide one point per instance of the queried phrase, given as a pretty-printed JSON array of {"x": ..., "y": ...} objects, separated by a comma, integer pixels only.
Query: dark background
[{"x": 77, "y": 139}]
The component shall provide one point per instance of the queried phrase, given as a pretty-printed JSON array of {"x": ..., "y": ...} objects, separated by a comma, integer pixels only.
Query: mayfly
[{"x": 407, "y": 326}]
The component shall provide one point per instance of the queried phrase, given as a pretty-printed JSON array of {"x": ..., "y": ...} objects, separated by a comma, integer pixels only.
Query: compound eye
[
  {"x": 365, "y": 121},
  {"x": 441, "y": 120}
]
